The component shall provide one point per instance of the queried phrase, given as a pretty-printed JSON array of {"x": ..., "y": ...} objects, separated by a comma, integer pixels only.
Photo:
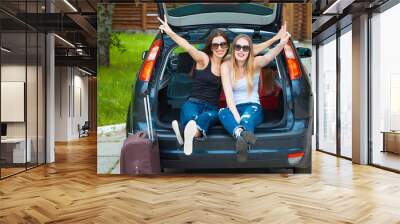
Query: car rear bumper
[
  {"x": 268, "y": 158},
  {"x": 270, "y": 151}
]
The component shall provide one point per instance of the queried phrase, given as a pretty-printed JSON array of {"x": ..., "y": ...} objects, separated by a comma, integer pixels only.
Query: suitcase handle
[
  {"x": 141, "y": 134},
  {"x": 148, "y": 117}
]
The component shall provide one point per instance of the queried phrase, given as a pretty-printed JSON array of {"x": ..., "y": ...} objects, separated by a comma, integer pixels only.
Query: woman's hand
[
  {"x": 257, "y": 48},
  {"x": 262, "y": 61},
  {"x": 198, "y": 56},
  {"x": 281, "y": 32},
  {"x": 164, "y": 27},
  {"x": 284, "y": 38}
]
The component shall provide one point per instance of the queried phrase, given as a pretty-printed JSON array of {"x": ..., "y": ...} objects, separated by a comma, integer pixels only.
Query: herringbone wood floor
[{"x": 70, "y": 191}]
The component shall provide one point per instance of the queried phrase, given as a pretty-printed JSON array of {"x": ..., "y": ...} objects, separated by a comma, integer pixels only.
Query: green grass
[{"x": 114, "y": 84}]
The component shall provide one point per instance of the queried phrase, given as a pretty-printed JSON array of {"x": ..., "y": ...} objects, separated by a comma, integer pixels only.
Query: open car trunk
[
  {"x": 265, "y": 16},
  {"x": 175, "y": 86}
]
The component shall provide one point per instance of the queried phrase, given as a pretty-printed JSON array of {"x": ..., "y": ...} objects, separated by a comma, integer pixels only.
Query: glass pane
[
  {"x": 327, "y": 97},
  {"x": 346, "y": 94},
  {"x": 14, "y": 7},
  {"x": 385, "y": 89},
  {"x": 31, "y": 97},
  {"x": 41, "y": 98},
  {"x": 32, "y": 86},
  {"x": 13, "y": 86},
  {"x": 23, "y": 87}
]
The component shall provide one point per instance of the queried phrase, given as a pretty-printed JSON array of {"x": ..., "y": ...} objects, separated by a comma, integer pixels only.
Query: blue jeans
[
  {"x": 200, "y": 111},
  {"x": 251, "y": 115}
]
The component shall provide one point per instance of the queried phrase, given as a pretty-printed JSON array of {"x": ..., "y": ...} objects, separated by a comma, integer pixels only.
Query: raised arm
[
  {"x": 257, "y": 48},
  {"x": 261, "y": 61},
  {"x": 227, "y": 86},
  {"x": 197, "y": 55}
]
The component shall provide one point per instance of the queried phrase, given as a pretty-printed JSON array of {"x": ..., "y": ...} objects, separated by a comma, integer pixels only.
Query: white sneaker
[
  {"x": 190, "y": 132},
  {"x": 175, "y": 127}
]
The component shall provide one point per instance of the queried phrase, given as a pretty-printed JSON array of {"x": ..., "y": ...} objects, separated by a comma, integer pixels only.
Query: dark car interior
[{"x": 176, "y": 83}]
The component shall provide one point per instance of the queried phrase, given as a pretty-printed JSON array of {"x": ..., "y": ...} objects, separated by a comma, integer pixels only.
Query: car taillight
[
  {"x": 293, "y": 64},
  {"x": 294, "y": 158},
  {"x": 295, "y": 155},
  {"x": 150, "y": 61}
]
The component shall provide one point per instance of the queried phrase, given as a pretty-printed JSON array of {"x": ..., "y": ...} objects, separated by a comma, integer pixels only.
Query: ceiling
[
  {"x": 330, "y": 15},
  {"x": 74, "y": 22}
]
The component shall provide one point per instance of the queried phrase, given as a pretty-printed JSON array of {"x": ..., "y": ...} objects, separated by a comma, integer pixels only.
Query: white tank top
[{"x": 240, "y": 94}]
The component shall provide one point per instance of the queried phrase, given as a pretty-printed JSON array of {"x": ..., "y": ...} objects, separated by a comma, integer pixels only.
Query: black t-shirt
[{"x": 206, "y": 86}]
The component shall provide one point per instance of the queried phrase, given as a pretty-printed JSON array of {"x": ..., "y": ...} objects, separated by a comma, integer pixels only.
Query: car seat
[{"x": 180, "y": 84}]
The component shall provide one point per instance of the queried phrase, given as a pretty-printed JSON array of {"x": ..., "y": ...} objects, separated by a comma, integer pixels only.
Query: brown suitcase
[{"x": 139, "y": 155}]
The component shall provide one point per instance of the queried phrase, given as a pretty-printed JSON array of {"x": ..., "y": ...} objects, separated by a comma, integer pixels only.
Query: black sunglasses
[
  {"x": 245, "y": 48},
  {"x": 215, "y": 46}
]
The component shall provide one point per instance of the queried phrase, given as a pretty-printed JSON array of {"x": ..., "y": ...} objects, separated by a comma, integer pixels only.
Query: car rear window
[{"x": 179, "y": 10}]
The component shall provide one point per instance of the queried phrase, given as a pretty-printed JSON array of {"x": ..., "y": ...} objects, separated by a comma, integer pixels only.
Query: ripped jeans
[
  {"x": 251, "y": 115},
  {"x": 205, "y": 115}
]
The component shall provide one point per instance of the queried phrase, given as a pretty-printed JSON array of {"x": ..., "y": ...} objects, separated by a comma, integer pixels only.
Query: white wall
[
  {"x": 14, "y": 73},
  {"x": 61, "y": 103},
  {"x": 70, "y": 83},
  {"x": 17, "y": 73},
  {"x": 80, "y": 84}
]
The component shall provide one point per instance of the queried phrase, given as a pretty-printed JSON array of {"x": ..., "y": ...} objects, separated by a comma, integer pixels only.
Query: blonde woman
[{"x": 240, "y": 76}]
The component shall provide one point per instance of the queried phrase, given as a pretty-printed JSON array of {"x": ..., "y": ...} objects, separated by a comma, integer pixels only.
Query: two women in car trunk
[{"x": 238, "y": 75}]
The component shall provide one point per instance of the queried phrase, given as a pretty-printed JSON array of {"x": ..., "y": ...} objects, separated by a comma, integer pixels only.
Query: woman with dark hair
[
  {"x": 200, "y": 110},
  {"x": 240, "y": 79}
]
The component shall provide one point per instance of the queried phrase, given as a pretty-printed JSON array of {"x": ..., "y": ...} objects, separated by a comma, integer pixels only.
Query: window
[
  {"x": 22, "y": 66},
  {"x": 346, "y": 94},
  {"x": 385, "y": 86},
  {"x": 327, "y": 96}
]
